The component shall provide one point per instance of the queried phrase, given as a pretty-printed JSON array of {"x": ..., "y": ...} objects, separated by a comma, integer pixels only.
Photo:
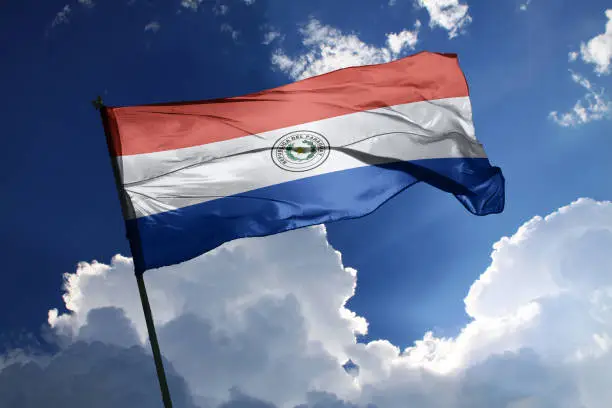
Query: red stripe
[{"x": 152, "y": 128}]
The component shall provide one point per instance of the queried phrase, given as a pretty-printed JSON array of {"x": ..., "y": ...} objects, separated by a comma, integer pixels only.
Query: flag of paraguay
[{"x": 193, "y": 175}]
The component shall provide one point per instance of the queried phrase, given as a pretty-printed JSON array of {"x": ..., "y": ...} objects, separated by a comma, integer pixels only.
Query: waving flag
[{"x": 194, "y": 175}]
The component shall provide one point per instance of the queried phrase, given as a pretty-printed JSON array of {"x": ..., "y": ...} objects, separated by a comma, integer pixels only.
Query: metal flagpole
[
  {"x": 161, "y": 374},
  {"x": 142, "y": 290}
]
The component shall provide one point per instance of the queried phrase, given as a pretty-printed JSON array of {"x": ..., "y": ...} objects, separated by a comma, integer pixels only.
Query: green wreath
[{"x": 289, "y": 150}]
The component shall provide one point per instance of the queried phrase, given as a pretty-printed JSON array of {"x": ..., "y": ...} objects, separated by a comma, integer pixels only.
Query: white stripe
[{"x": 164, "y": 181}]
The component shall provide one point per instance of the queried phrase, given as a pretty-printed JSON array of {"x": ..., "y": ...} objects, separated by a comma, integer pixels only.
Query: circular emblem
[{"x": 300, "y": 151}]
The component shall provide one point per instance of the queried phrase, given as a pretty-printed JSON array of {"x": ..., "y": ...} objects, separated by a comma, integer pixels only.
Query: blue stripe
[{"x": 177, "y": 236}]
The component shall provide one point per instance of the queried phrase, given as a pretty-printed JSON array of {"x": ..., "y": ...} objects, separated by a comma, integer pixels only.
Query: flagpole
[
  {"x": 142, "y": 290},
  {"x": 159, "y": 365}
]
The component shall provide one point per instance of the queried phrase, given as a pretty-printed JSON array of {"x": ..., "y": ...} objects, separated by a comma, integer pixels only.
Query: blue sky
[{"x": 417, "y": 256}]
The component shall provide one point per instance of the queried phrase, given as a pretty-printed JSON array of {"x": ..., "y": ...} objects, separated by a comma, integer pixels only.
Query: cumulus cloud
[
  {"x": 594, "y": 105},
  {"x": 598, "y": 50},
  {"x": 450, "y": 15},
  {"x": 328, "y": 49},
  {"x": 104, "y": 367},
  {"x": 247, "y": 314},
  {"x": 403, "y": 40},
  {"x": 62, "y": 16},
  {"x": 87, "y": 3},
  {"x": 94, "y": 375},
  {"x": 256, "y": 323},
  {"x": 270, "y": 36}
]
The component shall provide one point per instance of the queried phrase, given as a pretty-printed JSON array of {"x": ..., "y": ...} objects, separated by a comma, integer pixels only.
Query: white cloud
[
  {"x": 88, "y": 375},
  {"x": 450, "y": 15},
  {"x": 62, "y": 16},
  {"x": 220, "y": 9},
  {"x": 153, "y": 26},
  {"x": 594, "y": 105},
  {"x": 404, "y": 40},
  {"x": 572, "y": 56},
  {"x": 226, "y": 28},
  {"x": 247, "y": 308},
  {"x": 598, "y": 50},
  {"x": 270, "y": 36},
  {"x": 523, "y": 6},
  {"x": 256, "y": 324},
  {"x": 191, "y": 4},
  {"x": 329, "y": 49}
]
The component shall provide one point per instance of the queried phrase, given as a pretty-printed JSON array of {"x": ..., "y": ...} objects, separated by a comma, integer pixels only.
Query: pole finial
[{"x": 98, "y": 103}]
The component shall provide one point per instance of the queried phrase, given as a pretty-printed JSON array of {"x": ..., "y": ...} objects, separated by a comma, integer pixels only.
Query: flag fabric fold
[{"x": 194, "y": 175}]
